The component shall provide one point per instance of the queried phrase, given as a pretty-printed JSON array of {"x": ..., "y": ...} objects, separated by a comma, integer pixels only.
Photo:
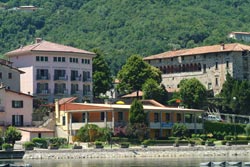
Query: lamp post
[{"x": 235, "y": 135}]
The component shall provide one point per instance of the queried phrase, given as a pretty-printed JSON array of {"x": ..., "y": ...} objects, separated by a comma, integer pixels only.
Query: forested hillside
[{"x": 121, "y": 28}]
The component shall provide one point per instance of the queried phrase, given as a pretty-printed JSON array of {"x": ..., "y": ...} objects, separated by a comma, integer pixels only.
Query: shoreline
[{"x": 137, "y": 152}]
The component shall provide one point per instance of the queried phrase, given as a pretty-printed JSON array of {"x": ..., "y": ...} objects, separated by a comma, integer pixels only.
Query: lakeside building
[
  {"x": 54, "y": 71},
  {"x": 209, "y": 64},
  {"x": 15, "y": 107},
  {"x": 244, "y": 36},
  {"x": 70, "y": 117}
]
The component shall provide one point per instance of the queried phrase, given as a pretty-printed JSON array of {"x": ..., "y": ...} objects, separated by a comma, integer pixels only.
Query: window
[
  {"x": 102, "y": 116},
  {"x": 159, "y": 60},
  {"x": 227, "y": 64},
  {"x": 9, "y": 75},
  {"x": 83, "y": 117},
  {"x": 63, "y": 120},
  {"x": 85, "y": 61},
  {"x": 17, "y": 104},
  {"x": 0, "y": 75},
  {"x": 73, "y": 60},
  {"x": 42, "y": 58},
  {"x": 17, "y": 120},
  {"x": 120, "y": 116},
  {"x": 178, "y": 117},
  {"x": 59, "y": 59},
  {"x": 204, "y": 68},
  {"x": 194, "y": 57},
  {"x": 216, "y": 82},
  {"x": 182, "y": 58},
  {"x": 172, "y": 59},
  {"x": 156, "y": 117},
  {"x": 168, "y": 117},
  {"x": 216, "y": 65}
]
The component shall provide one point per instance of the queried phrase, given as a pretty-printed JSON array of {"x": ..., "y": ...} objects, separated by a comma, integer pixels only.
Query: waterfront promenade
[{"x": 138, "y": 152}]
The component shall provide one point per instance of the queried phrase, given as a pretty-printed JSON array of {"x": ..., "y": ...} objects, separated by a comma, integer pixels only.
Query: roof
[
  {"x": 19, "y": 93},
  {"x": 8, "y": 64},
  {"x": 67, "y": 100},
  {"x": 147, "y": 107},
  {"x": 35, "y": 130},
  {"x": 133, "y": 94},
  {"x": 237, "y": 32},
  {"x": 76, "y": 107},
  {"x": 233, "y": 47},
  {"x": 45, "y": 46}
]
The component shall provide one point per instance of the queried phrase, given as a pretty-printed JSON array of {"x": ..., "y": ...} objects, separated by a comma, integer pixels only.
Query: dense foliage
[
  {"x": 12, "y": 135},
  {"x": 136, "y": 113},
  {"x": 122, "y": 28},
  {"x": 152, "y": 90},
  {"x": 135, "y": 73},
  {"x": 102, "y": 80},
  {"x": 193, "y": 93}
]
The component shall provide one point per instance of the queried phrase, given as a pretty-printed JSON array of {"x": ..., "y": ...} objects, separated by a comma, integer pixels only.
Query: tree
[
  {"x": 102, "y": 80},
  {"x": 136, "y": 113},
  {"x": 12, "y": 135},
  {"x": 192, "y": 93},
  {"x": 152, "y": 90},
  {"x": 179, "y": 130},
  {"x": 135, "y": 73}
]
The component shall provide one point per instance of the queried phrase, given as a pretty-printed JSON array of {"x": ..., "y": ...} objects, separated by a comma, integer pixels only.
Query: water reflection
[{"x": 133, "y": 162}]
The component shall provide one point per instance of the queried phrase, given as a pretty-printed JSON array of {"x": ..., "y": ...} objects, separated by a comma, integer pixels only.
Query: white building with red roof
[
  {"x": 53, "y": 70},
  {"x": 209, "y": 64}
]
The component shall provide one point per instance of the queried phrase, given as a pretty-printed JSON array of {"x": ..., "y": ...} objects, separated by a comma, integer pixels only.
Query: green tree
[
  {"x": 135, "y": 73},
  {"x": 152, "y": 90},
  {"x": 179, "y": 130},
  {"x": 136, "y": 113},
  {"x": 91, "y": 133},
  {"x": 102, "y": 80},
  {"x": 12, "y": 135},
  {"x": 193, "y": 93}
]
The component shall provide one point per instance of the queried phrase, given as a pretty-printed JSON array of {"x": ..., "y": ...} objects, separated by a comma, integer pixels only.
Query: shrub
[
  {"x": 7, "y": 146},
  {"x": 28, "y": 145},
  {"x": 40, "y": 142},
  {"x": 125, "y": 145}
]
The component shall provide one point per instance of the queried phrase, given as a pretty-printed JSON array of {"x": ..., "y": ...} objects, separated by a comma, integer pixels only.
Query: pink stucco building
[
  {"x": 53, "y": 71},
  {"x": 15, "y": 108}
]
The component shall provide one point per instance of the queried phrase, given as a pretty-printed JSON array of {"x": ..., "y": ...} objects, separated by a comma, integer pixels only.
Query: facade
[
  {"x": 15, "y": 108},
  {"x": 28, "y": 133},
  {"x": 54, "y": 71},
  {"x": 9, "y": 75},
  {"x": 209, "y": 64},
  {"x": 244, "y": 36},
  {"x": 70, "y": 117}
]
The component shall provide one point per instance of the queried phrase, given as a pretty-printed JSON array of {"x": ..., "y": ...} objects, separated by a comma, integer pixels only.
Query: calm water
[{"x": 136, "y": 162}]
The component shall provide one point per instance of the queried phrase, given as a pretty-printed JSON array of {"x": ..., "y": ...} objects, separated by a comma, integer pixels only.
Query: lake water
[{"x": 126, "y": 162}]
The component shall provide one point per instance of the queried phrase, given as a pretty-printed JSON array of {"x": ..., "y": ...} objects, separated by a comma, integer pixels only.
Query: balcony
[
  {"x": 76, "y": 78},
  {"x": 43, "y": 91},
  {"x": 87, "y": 79},
  {"x": 60, "y": 78},
  {"x": 78, "y": 125},
  {"x": 42, "y": 77},
  {"x": 169, "y": 125},
  {"x": 61, "y": 91},
  {"x": 87, "y": 93},
  {"x": 2, "y": 109},
  {"x": 76, "y": 92}
]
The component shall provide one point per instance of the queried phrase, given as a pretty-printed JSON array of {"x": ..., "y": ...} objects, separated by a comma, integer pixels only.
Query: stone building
[{"x": 209, "y": 64}]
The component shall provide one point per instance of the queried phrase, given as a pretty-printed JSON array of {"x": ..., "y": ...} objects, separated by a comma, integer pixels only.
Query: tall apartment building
[
  {"x": 54, "y": 71},
  {"x": 209, "y": 64}
]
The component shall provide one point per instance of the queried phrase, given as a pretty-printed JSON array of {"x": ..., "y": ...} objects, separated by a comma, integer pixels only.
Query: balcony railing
[
  {"x": 61, "y": 91},
  {"x": 76, "y": 78},
  {"x": 42, "y": 77},
  {"x": 169, "y": 125},
  {"x": 78, "y": 125},
  {"x": 61, "y": 78},
  {"x": 43, "y": 91},
  {"x": 87, "y": 79},
  {"x": 76, "y": 92},
  {"x": 87, "y": 93}
]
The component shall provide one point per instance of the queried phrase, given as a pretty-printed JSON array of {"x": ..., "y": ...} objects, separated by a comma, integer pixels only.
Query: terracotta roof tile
[
  {"x": 200, "y": 50},
  {"x": 45, "y": 46},
  {"x": 82, "y": 107}
]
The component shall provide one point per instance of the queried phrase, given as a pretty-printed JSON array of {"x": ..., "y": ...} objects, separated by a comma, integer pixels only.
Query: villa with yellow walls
[{"x": 70, "y": 117}]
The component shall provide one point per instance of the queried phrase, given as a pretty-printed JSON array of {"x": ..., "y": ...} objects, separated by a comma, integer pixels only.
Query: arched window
[
  {"x": 199, "y": 67},
  {"x": 183, "y": 68},
  {"x": 164, "y": 70},
  {"x": 191, "y": 67},
  {"x": 187, "y": 68},
  {"x": 195, "y": 67}
]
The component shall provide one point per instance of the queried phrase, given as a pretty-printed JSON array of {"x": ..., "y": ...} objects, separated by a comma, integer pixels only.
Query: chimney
[
  {"x": 38, "y": 40},
  {"x": 222, "y": 46}
]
